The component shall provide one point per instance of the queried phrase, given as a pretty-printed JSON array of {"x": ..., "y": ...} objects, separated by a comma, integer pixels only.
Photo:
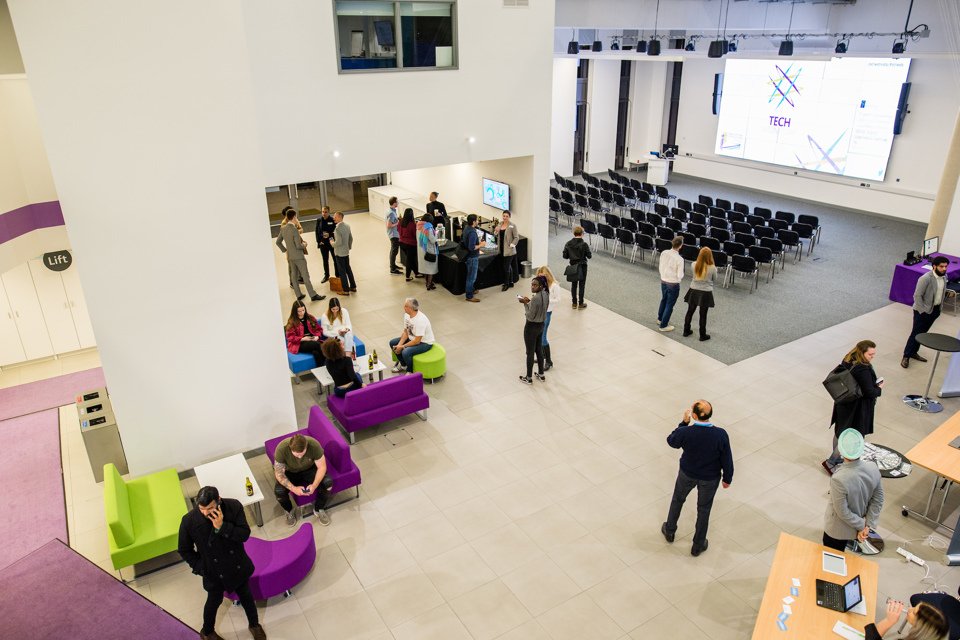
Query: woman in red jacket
[{"x": 304, "y": 334}]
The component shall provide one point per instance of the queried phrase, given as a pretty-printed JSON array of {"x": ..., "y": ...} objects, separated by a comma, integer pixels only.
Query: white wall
[
  {"x": 10, "y": 61},
  {"x": 25, "y": 176},
  {"x": 146, "y": 135},
  {"x": 460, "y": 188},
  {"x": 603, "y": 98},
  {"x": 648, "y": 94},
  {"x": 563, "y": 123},
  {"x": 913, "y": 172}
]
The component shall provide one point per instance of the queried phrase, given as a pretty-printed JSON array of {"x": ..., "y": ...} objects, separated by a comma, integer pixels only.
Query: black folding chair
[
  {"x": 554, "y": 193},
  {"x": 705, "y": 200},
  {"x": 664, "y": 195},
  {"x": 624, "y": 239},
  {"x": 717, "y": 222},
  {"x": 581, "y": 188},
  {"x": 593, "y": 192},
  {"x": 739, "y": 207},
  {"x": 805, "y": 232},
  {"x": 776, "y": 248},
  {"x": 642, "y": 243},
  {"x": 666, "y": 233},
  {"x": 741, "y": 227},
  {"x": 674, "y": 224},
  {"x": 688, "y": 238},
  {"x": 606, "y": 198},
  {"x": 629, "y": 224},
  {"x": 778, "y": 224},
  {"x": 678, "y": 214},
  {"x": 763, "y": 212},
  {"x": 643, "y": 200},
  {"x": 661, "y": 210},
  {"x": 747, "y": 266},
  {"x": 589, "y": 230},
  {"x": 786, "y": 216},
  {"x": 697, "y": 218},
  {"x": 734, "y": 249},
  {"x": 630, "y": 194},
  {"x": 607, "y": 233},
  {"x": 685, "y": 205},
  {"x": 791, "y": 240},
  {"x": 722, "y": 235},
  {"x": 722, "y": 263},
  {"x": 582, "y": 202},
  {"x": 764, "y": 232},
  {"x": 647, "y": 228},
  {"x": 567, "y": 210},
  {"x": 689, "y": 253},
  {"x": 723, "y": 204},
  {"x": 746, "y": 239},
  {"x": 662, "y": 244},
  {"x": 701, "y": 208},
  {"x": 654, "y": 219},
  {"x": 566, "y": 196},
  {"x": 638, "y": 215},
  {"x": 763, "y": 256},
  {"x": 612, "y": 220},
  {"x": 620, "y": 201},
  {"x": 711, "y": 243},
  {"x": 736, "y": 216},
  {"x": 595, "y": 207},
  {"x": 696, "y": 229},
  {"x": 814, "y": 222}
]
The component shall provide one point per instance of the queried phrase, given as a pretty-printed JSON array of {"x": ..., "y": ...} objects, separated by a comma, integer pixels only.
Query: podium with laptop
[
  {"x": 816, "y": 592},
  {"x": 906, "y": 273}
]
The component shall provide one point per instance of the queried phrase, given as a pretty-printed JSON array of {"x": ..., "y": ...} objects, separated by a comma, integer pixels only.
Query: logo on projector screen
[{"x": 784, "y": 86}]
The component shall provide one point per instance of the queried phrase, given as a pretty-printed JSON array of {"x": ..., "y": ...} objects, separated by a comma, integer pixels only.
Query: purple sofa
[
  {"x": 381, "y": 401},
  {"x": 280, "y": 565},
  {"x": 340, "y": 466}
]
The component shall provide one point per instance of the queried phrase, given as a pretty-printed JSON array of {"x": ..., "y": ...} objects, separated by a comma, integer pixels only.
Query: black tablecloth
[{"x": 453, "y": 273}]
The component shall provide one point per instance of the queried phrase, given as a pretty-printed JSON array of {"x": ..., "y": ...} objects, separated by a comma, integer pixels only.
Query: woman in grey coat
[
  {"x": 427, "y": 245},
  {"x": 535, "y": 309}
]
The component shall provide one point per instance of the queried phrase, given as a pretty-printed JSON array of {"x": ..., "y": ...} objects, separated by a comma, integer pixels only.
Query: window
[{"x": 373, "y": 35}]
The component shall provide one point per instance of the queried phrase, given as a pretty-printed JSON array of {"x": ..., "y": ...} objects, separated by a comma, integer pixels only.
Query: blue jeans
[
  {"x": 669, "y": 294},
  {"x": 473, "y": 262},
  {"x": 406, "y": 356},
  {"x": 546, "y": 325}
]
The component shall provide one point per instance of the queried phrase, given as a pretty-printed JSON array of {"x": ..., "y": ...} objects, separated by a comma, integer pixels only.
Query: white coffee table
[
  {"x": 359, "y": 365},
  {"x": 229, "y": 475}
]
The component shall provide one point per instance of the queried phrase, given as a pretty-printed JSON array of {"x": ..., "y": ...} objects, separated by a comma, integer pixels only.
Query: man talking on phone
[{"x": 211, "y": 542}]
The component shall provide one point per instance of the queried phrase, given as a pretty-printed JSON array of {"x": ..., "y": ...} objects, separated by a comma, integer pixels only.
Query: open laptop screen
[{"x": 852, "y": 594}]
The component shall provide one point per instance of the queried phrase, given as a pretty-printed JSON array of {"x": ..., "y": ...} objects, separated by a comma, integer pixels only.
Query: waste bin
[{"x": 526, "y": 269}]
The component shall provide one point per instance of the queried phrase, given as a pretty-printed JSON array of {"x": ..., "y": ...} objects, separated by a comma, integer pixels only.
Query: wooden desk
[
  {"x": 798, "y": 558},
  {"x": 935, "y": 454}
]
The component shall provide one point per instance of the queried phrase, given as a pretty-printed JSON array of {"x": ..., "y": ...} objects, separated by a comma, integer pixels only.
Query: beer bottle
[
  {"x": 370, "y": 361},
  {"x": 249, "y": 487},
  {"x": 375, "y": 360}
]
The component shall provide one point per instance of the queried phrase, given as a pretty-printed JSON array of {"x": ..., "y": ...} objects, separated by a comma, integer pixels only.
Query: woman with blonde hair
[
  {"x": 926, "y": 622},
  {"x": 857, "y": 414},
  {"x": 700, "y": 293},
  {"x": 336, "y": 324},
  {"x": 553, "y": 291}
]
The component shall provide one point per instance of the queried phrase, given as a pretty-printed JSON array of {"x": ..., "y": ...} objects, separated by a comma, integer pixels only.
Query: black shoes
[
  {"x": 687, "y": 332},
  {"x": 541, "y": 377},
  {"x": 504, "y": 287},
  {"x": 317, "y": 298},
  {"x": 905, "y": 362},
  {"x": 918, "y": 357},
  {"x": 526, "y": 380},
  {"x": 301, "y": 296},
  {"x": 396, "y": 272},
  {"x": 667, "y": 535},
  {"x": 697, "y": 550},
  {"x": 581, "y": 306},
  {"x": 704, "y": 337},
  {"x": 258, "y": 633},
  {"x": 409, "y": 279},
  {"x": 325, "y": 278}
]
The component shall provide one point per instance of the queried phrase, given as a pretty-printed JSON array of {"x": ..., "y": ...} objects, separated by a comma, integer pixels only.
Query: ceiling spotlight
[
  {"x": 899, "y": 46},
  {"x": 841, "y": 47},
  {"x": 718, "y": 48},
  {"x": 691, "y": 46},
  {"x": 731, "y": 46},
  {"x": 653, "y": 47},
  {"x": 614, "y": 46},
  {"x": 786, "y": 48},
  {"x": 336, "y": 154},
  {"x": 471, "y": 139}
]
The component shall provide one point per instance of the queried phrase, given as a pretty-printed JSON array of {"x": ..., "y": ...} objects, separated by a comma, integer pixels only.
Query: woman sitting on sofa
[
  {"x": 340, "y": 368},
  {"x": 304, "y": 333},
  {"x": 336, "y": 324}
]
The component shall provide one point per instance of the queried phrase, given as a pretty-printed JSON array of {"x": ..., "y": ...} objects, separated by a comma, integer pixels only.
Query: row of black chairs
[{"x": 707, "y": 204}]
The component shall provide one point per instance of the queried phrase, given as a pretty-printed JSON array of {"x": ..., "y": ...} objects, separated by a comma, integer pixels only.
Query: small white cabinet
[{"x": 42, "y": 313}]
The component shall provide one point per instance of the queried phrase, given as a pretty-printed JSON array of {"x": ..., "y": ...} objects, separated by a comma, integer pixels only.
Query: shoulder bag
[{"x": 842, "y": 386}]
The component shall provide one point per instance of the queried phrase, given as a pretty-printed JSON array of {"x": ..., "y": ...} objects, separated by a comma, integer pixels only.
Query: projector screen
[
  {"x": 832, "y": 116},
  {"x": 496, "y": 194}
]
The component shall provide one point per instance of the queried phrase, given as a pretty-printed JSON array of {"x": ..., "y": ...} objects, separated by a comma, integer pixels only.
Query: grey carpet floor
[{"x": 847, "y": 275}]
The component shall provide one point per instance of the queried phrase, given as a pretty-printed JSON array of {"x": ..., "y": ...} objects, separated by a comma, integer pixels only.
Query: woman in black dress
[
  {"x": 340, "y": 368},
  {"x": 859, "y": 413}
]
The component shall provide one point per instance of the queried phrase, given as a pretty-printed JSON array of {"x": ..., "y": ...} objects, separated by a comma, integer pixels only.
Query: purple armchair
[
  {"x": 280, "y": 565},
  {"x": 381, "y": 401},
  {"x": 340, "y": 466}
]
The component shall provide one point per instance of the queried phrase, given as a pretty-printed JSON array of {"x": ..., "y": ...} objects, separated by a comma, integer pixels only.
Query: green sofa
[{"x": 143, "y": 515}]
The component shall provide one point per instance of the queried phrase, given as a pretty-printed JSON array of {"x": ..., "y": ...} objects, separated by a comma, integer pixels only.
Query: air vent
[{"x": 516, "y": 3}]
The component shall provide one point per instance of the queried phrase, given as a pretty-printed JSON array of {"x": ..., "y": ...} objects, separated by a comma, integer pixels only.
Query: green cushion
[
  {"x": 432, "y": 363},
  {"x": 116, "y": 507},
  {"x": 156, "y": 508}
]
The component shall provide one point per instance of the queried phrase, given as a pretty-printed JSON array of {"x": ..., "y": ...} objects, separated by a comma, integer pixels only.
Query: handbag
[
  {"x": 842, "y": 386},
  {"x": 430, "y": 256},
  {"x": 572, "y": 272},
  {"x": 336, "y": 286}
]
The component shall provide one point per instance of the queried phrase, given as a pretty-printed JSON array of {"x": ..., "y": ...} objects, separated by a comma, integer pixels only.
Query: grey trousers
[
  {"x": 298, "y": 270},
  {"x": 706, "y": 490}
]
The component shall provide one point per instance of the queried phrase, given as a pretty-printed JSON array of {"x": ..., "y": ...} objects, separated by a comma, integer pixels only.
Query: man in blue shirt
[
  {"x": 705, "y": 461},
  {"x": 394, "y": 234},
  {"x": 472, "y": 244}
]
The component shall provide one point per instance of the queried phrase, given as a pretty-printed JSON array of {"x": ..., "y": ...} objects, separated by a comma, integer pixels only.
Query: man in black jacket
[
  {"x": 577, "y": 252},
  {"x": 211, "y": 542},
  {"x": 706, "y": 459},
  {"x": 324, "y": 230}
]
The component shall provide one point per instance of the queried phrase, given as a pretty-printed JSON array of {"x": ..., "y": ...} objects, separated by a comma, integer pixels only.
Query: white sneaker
[
  {"x": 669, "y": 327},
  {"x": 397, "y": 368},
  {"x": 322, "y": 517}
]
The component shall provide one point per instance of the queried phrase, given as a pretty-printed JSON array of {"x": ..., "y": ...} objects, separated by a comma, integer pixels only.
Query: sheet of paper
[
  {"x": 860, "y": 609},
  {"x": 788, "y": 600},
  {"x": 846, "y": 631},
  {"x": 787, "y": 609},
  {"x": 796, "y": 582},
  {"x": 794, "y": 592}
]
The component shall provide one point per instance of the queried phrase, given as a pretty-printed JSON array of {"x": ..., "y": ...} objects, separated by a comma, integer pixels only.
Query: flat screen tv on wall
[{"x": 496, "y": 194}]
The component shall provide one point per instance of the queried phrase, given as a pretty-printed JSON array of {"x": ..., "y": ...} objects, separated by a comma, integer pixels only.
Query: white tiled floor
[{"x": 527, "y": 513}]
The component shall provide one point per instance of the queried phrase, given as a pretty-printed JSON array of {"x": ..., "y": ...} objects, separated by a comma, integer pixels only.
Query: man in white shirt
[
  {"x": 671, "y": 273},
  {"x": 417, "y": 336}
]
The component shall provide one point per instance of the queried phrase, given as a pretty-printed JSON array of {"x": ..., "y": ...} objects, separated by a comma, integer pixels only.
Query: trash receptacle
[{"x": 526, "y": 269}]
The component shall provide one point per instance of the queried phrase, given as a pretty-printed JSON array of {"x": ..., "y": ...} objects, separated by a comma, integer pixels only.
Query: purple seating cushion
[
  {"x": 280, "y": 565},
  {"x": 381, "y": 401}
]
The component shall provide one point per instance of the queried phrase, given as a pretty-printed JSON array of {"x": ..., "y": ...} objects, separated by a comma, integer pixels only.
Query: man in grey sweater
[
  {"x": 927, "y": 298},
  {"x": 342, "y": 243},
  {"x": 535, "y": 310},
  {"x": 856, "y": 495},
  {"x": 292, "y": 244}
]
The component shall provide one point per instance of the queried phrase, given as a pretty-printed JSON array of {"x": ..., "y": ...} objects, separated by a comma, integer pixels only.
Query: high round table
[{"x": 939, "y": 343}]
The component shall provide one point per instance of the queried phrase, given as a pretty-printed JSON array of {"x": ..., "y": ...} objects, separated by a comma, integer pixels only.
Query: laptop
[{"x": 839, "y": 598}]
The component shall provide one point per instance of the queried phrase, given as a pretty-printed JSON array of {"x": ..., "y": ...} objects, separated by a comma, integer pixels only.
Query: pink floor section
[
  {"x": 47, "y": 394},
  {"x": 30, "y": 475}
]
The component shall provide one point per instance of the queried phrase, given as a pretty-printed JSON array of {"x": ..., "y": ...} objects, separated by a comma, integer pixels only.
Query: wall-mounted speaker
[
  {"x": 653, "y": 48},
  {"x": 717, "y": 92},
  {"x": 642, "y": 46},
  {"x": 718, "y": 48},
  {"x": 786, "y": 48}
]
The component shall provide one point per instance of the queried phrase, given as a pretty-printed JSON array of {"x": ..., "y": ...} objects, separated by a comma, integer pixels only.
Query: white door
[
  {"x": 56, "y": 309},
  {"x": 11, "y": 349},
  {"x": 22, "y": 296},
  {"x": 78, "y": 306}
]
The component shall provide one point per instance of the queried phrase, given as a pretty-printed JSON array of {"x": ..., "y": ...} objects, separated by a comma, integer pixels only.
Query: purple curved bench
[{"x": 280, "y": 565}]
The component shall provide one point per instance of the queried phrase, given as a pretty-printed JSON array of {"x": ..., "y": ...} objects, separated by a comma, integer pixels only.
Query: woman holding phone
[
  {"x": 859, "y": 413},
  {"x": 535, "y": 309},
  {"x": 304, "y": 334},
  {"x": 336, "y": 324}
]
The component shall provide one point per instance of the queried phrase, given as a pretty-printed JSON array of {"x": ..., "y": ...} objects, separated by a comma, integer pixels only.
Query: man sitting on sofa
[
  {"x": 417, "y": 336},
  {"x": 301, "y": 469}
]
